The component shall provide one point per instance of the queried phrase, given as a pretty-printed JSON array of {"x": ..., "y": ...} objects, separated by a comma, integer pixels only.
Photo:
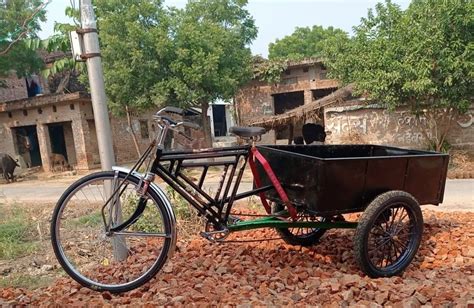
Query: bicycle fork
[{"x": 115, "y": 209}]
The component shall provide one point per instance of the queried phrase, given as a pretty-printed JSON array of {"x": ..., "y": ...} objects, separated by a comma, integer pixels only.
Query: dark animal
[
  {"x": 7, "y": 167},
  {"x": 298, "y": 140},
  {"x": 313, "y": 133}
]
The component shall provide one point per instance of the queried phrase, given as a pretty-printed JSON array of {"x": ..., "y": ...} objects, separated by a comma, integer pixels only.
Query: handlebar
[
  {"x": 171, "y": 109},
  {"x": 168, "y": 123}
]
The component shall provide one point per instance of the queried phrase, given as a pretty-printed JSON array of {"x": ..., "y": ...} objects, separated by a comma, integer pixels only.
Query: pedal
[{"x": 215, "y": 236}]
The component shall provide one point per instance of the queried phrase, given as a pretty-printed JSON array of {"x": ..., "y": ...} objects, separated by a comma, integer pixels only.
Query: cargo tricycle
[{"x": 114, "y": 230}]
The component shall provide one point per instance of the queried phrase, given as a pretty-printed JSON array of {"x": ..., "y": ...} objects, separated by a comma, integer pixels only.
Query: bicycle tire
[{"x": 104, "y": 269}]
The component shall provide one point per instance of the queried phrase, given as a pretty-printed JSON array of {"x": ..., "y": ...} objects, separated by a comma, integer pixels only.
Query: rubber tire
[
  {"x": 113, "y": 289},
  {"x": 291, "y": 239},
  {"x": 371, "y": 213}
]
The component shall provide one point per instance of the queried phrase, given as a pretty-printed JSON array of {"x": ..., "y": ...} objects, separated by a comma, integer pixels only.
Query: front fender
[{"x": 164, "y": 200}]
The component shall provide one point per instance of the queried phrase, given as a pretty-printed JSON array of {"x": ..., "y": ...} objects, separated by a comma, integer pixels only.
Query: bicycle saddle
[{"x": 247, "y": 131}]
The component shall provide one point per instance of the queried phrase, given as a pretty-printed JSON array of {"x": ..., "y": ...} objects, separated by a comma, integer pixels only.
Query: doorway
[
  {"x": 220, "y": 121},
  {"x": 56, "y": 136},
  {"x": 284, "y": 102},
  {"x": 62, "y": 141},
  {"x": 25, "y": 139}
]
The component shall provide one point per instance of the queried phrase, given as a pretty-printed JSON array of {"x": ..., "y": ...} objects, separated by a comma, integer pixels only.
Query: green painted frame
[{"x": 275, "y": 222}]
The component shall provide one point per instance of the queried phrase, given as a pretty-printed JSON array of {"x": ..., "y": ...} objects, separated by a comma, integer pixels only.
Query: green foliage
[
  {"x": 181, "y": 207},
  {"x": 19, "y": 22},
  {"x": 91, "y": 220},
  {"x": 135, "y": 47},
  {"x": 19, "y": 280},
  {"x": 304, "y": 43},
  {"x": 150, "y": 220},
  {"x": 269, "y": 70},
  {"x": 210, "y": 56},
  {"x": 60, "y": 42},
  {"x": 421, "y": 57},
  {"x": 15, "y": 233}
]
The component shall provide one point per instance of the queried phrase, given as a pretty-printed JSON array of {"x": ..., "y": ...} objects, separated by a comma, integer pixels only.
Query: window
[
  {"x": 40, "y": 111},
  {"x": 10, "y": 114},
  {"x": 71, "y": 106},
  {"x": 54, "y": 109},
  {"x": 144, "y": 129},
  {"x": 305, "y": 69},
  {"x": 25, "y": 112}
]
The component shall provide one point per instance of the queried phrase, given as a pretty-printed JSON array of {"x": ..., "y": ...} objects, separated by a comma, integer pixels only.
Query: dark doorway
[
  {"x": 320, "y": 93},
  {"x": 287, "y": 101},
  {"x": 56, "y": 136},
  {"x": 284, "y": 102},
  {"x": 220, "y": 122},
  {"x": 26, "y": 145}
]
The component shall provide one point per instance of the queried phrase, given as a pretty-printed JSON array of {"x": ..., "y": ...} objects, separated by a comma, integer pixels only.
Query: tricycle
[{"x": 114, "y": 230}]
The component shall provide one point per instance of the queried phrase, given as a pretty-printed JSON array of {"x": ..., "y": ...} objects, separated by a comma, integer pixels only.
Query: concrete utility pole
[
  {"x": 96, "y": 81},
  {"x": 101, "y": 115}
]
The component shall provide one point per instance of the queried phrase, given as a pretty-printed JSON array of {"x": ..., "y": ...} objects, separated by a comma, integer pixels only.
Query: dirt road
[{"x": 459, "y": 193}]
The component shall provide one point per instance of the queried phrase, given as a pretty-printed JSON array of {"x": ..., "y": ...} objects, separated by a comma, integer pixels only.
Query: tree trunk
[
  {"x": 206, "y": 125},
  {"x": 132, "y": 132},
  {"x": 63, "y": 83}
]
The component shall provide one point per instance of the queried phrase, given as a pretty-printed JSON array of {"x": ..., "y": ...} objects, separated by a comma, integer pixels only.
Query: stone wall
[{"x": 357, "y": 123}]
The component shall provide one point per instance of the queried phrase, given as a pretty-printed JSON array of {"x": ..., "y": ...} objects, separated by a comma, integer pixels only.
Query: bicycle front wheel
[{"x": 111, "y": 261}]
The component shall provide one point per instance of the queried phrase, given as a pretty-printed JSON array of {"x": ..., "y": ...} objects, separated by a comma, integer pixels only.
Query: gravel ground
[{"x": 273, "y": 273}]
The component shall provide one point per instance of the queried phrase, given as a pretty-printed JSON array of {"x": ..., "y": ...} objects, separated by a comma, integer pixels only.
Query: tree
[
  {"x": 210, "y": 55},
  {"x": 135, "y": 46},
  {"x": 19, "y": 20},
  {"x": 422, "y": 58},
  {"x": 303, "y": 43},
  {"x": 268, "y": 71},
  {"x": 64, "y": 72}
]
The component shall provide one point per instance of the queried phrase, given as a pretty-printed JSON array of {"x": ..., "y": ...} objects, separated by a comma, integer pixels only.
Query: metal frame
[{"x": 171, "y": 166}]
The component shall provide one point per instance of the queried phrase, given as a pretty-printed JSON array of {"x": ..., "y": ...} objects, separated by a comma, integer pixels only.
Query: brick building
[
  {"x": 301, "y": 83},
  {"x": 305, "y": 95},
  {"x": 34, "y": 124},
  {"x": 31, "y": 129}
]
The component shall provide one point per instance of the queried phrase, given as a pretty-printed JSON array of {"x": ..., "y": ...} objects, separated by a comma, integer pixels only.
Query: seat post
[{"x": 254, "y": 140}]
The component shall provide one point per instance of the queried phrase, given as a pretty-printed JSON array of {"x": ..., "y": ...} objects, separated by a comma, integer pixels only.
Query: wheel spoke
[{"x": 91, "y": 255}]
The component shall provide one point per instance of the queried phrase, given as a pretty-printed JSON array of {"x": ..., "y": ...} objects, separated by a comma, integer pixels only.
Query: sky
[{"x": 274, "y": 18}]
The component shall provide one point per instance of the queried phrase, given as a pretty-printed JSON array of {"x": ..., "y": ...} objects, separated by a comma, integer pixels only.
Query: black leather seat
[{"x": 247, "y": 131}]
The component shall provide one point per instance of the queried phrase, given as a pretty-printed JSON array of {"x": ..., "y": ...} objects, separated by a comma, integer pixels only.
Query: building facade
[
  {"x": 305, "y": 90},
  {"x": 33, "y": 129},
  {"x": 35, "y": 125},
  {"x": 301, "y": 83},
  {"x": 361, "y": 122}
]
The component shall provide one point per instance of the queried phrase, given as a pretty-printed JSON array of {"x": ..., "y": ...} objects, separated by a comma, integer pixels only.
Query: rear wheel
[
  {"x": 300, "y": 236},
  {"x": 388, "y": 234},
  {"x": 111, "y": 261}
]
